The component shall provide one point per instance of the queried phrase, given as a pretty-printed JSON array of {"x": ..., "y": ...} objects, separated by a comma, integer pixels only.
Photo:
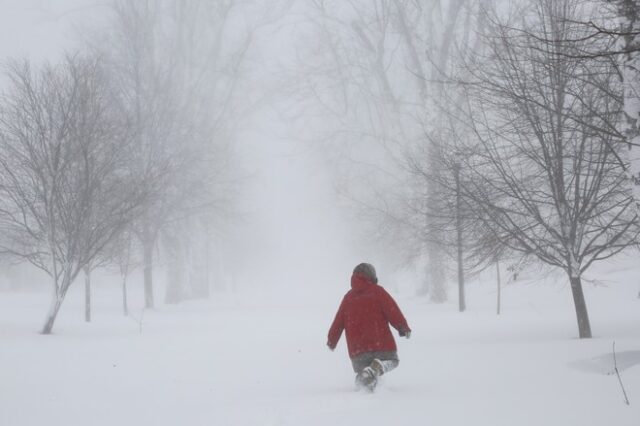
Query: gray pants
[{"x": 389, "y": 360}]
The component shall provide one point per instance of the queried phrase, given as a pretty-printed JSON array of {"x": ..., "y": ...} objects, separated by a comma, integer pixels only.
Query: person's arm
[
  {"x": 393, "y": 314},
  {"x": 337, "y": 327}
]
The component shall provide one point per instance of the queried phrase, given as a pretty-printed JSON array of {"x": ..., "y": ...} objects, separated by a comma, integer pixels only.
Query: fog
[
  {"x": 289, "y": 230},
  {"x": 189, "y": 190}
]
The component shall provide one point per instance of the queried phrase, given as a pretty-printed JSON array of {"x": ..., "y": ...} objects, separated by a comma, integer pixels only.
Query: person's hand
[
  {"x": 331, "y": 348},
  {"x": 405, "y": 333}
]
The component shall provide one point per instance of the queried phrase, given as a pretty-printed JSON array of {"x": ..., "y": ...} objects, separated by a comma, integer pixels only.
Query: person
[{"x": 365, "y": 314}]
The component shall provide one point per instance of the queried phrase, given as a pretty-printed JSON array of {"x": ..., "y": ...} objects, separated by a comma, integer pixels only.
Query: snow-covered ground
[{"x": 256, "y": 361}]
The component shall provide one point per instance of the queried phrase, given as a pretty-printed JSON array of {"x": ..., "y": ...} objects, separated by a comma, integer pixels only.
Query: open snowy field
[{"x": 247, "y": 361}]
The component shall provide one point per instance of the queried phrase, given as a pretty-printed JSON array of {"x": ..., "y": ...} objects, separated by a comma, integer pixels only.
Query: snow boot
[
  {"x": 378, "y": 367},
  {"x": 367, "y": 379}
]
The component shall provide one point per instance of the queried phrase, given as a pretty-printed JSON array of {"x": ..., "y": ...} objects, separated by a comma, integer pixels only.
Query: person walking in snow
[{"x": 365, "y": 314}]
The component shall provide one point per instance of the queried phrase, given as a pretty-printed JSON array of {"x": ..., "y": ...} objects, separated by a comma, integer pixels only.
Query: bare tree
[
  {"x": 143, "y": 85},
  {"x": 209, "y": 58},
  {"x": 546, "y": 170},
  {"x": 64, "y": 191},
  {"x": 461, "y": 231},
  {"x": 180, "y": 73},
  {"x": 374, "y": 73},
  {"x": 615, "y": 33}
]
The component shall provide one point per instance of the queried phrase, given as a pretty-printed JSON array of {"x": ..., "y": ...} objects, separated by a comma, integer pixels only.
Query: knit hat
[{"x": 367, "y": 270}]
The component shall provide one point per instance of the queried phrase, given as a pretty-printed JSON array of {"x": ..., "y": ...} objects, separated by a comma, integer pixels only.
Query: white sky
[{"x": 41, "y": 28}]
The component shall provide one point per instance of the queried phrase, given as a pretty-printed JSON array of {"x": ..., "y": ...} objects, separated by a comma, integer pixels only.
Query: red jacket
[{"x": 365, "y": 314}]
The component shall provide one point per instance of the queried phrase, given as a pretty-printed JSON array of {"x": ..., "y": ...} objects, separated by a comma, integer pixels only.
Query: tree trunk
[
  {"x": 435, "y": 281},
  {"x": 87, "y": 295},
  {"x": 147, "y": 248},
  {"x": 584, "y": 327},
  {"x": 207, "y": 268},
  {"x": 56, "y": 302},
  {"x": 423, "y": 284},
  {"x": 59, "y": 293},
  {"x": 125, "y": 307},
  {"x": 461, "y": 300},
  {"x": 436, "y": 276},
  {"x": 175, "y": 268},
  {"x": 124, "y": 271},
  {"x": 499, "y": 286}
]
